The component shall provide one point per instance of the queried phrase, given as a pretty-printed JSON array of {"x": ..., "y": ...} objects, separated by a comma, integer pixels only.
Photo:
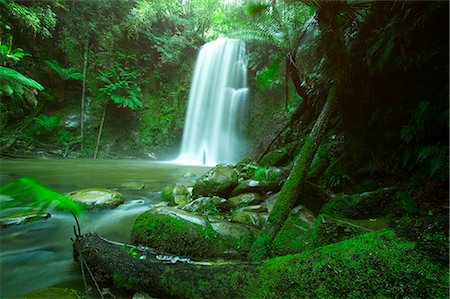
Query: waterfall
[{"x": 212, "y": 132}]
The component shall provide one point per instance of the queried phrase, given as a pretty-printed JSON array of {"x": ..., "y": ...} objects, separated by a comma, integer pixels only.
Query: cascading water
[{"x": 217, "y": 99}]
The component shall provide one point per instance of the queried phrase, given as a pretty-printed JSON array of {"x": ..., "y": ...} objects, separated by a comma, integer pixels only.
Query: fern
[
  {"x": 27, "y": 192},
  {"x": 8, "y": 76},
  {"x": 64, "y": 73}
]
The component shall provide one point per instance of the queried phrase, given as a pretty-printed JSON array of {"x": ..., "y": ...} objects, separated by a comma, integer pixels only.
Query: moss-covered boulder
[
  {"x": 97, "y": 198},
  {"x": 254, "y": 215},
  {"x": 252, "y": 186},
  {"x": 180, "y": 232},
  {"x": 328, "y": 230},
  {"x": 244, "y": 199},
  {"x": 275, "y": 158},
  {"x": 219, "y": 181},
  {"x": 53, "y": 293},
  {"x": 176, "y": 194},
  {"x": 365, "y": 205},
  {"x": 312, "y": 197},
  {"x": 295, "y": 234},
  {"x": 205, "y": 205},
  {"x": 133, "y": 186}
]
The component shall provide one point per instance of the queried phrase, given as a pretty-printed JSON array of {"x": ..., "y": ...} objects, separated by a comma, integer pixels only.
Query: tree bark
[
  {"x": 83, "y": 97},
  {"x": 293, "y": 185},
  {"x": 100, "y": 131},
  {"x": 158, "y": 276}
]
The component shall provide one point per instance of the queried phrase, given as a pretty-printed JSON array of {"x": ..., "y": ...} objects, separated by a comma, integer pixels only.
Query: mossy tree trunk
[{"x": 293, "y": 185}]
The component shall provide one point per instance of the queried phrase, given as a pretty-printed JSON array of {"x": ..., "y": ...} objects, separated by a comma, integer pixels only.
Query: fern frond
[
  {"x": 8, "y": 74},
  {"x": 27, "y": 192}
]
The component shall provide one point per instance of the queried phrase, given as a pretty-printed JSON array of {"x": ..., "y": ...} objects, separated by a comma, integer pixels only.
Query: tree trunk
[
  {"x": 161, "y": 274},
  {"x": 293, "y": 185},
  {"x": 83, "y": 97},
  {"x": 100, "y": 131}
]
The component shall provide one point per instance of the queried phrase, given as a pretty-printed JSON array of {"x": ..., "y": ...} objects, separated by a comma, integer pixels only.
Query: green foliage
[
  {"x": 14, "y": 84},
  {"x": 52, "y": 127},
  {"x": 39, "y": 17},
  {"x": 27, "y": 192},
  {"x": 120, "y": 87},
  {"x": 64, "y": 73},
  {"x": 260, "y": 174},
  {"x": 9, "y": 55}
]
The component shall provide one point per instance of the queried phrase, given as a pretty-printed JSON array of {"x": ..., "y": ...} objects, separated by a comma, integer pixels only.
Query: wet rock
[
  {"x": 172, "y": 191},
  {"x": 330, "y": 230},
  {"x": 243, "y": 199},
  {"x": 270, "y": 201},
  {"x": 363, "y": 205},
  {"x": 247, "y": 217},
  {"x": 183, "y": 233},
  {"x": 252, "y": 186},
  {"x": 275, "y": 158},
  {"x": 141, "y": 295},
  {"x": 97, "y": 198},
  {"x": 133, "y": 186},
  {"x": 295, "y": 234},
  {"x": 53, "y": 293},
  {"x": 205, "y": 205},
  {"x": 22, "y": 219},
  {"x": 246, "y": 170},
  {"x": 189, "y": 175},
  {"x": 182, "y": 200},
  {"x": 219, "y": 181}
]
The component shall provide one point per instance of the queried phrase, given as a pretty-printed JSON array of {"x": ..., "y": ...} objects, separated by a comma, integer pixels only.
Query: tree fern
[
  {"x": 27, "y": 192},
  {"x": 8, "y": 75},
  {"x": 65, "y": 73}
]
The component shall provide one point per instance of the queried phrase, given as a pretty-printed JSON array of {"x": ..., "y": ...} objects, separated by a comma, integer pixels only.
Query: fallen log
[
  {"x": 161, "y": 274},
  {"x": 375, "y": 264}
]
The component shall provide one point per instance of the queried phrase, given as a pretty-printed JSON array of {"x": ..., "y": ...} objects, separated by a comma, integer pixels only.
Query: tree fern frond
[
  {"x": 12, "y": 75},
  {"x": 26, "y": 191}
]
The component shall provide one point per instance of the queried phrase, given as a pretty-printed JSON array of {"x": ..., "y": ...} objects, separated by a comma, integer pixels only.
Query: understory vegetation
[{"x": 350, "y": 98}]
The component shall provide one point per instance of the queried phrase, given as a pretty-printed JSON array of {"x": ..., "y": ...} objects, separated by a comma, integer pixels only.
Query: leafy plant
[
  {"x": 65, "y": 73},
  {"x": 27, "y": 192},
  {"x": 13, "y": 83}
]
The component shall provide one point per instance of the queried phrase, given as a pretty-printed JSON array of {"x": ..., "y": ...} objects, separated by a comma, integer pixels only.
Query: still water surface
[{"x": 39, "y": 254}]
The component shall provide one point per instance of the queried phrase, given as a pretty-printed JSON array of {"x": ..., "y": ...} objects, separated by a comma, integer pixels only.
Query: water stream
[
  {"x": 39, "y": 254},
  {"x": 217, "y": 99}
]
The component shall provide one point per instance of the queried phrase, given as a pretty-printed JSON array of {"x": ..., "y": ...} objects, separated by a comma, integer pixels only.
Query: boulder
[
  {"x": 173, "y": 191},
  {"x": 22, "y": 219},
  {"x": 183, "y": 233},
  {"x": 295, "y": 234},
  {"x": 253, "y": 186},
  {"x": 244, "y": 199},
  {"x": 247, "y": 217},
  {"x": 219, "y": 181},
  {"x": 205, "y": 205},
  {"x": 330, "y": 230},
  {"x": 97, "y": 198},
  {"x": 363, "y": 205}
]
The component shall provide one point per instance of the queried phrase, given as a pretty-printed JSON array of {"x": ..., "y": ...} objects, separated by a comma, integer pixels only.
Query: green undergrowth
[{"x": 372, "y": 264}]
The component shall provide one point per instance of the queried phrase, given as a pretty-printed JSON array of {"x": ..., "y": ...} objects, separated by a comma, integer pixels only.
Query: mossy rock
[
  {"x": 253, "y": 218},
  {"x": 275, "y": 158},
  {"x": 312, "y": 197},
  {"x": 328, "y": 230},
  {"x": 97, "y": 198},
  {"x": 205, "y": 205},
  {"x": 183, "y": 233},
  {"x": 253, "y": 186},
  {"x": 53, "y": 293},
  {"x": 21, "y": 218},
  {"x": 219, "y": 181},
  {"x": 295, "y": 234},
  {"x": 171, "y": 191},
  {"x": 244, "y": 199},
  {"x": 363, "y": 205}
]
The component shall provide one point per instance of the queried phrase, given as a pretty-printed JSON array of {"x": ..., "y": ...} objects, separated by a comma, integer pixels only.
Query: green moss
[
  {"x": 275, "y": 158},
  {"x": 54, "y": 293},
  {"x": 177, "y": 236},
  {"x": 294, "y": 237},
  {"x": 369, "y": 265}
]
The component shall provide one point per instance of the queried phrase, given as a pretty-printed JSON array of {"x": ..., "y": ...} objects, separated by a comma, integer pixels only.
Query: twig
[{"x": 93, "y": 279}]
